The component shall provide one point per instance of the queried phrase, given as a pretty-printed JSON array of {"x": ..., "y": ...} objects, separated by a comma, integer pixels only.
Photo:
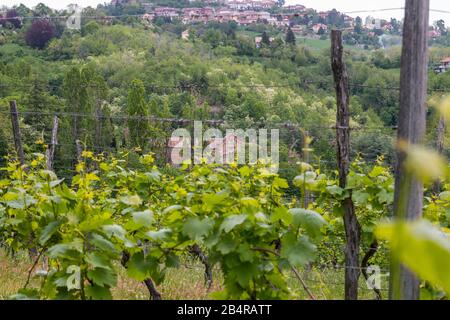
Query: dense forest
[{"x": 120, "y": 86}]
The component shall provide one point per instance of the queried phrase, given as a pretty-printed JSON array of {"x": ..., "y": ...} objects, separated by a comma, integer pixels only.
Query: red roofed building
[
  {"x": 166, "y": 12},
  {"x": 297, "y": 7},
  {"x": 444, "y": 66},
  {"x": 227, "y": 147},
  {"x": 198, "y": 14},
  {"x": 324, "y": 14},
  {"x": 316, "y": 28},
  {"x": 446, "y": 62}
]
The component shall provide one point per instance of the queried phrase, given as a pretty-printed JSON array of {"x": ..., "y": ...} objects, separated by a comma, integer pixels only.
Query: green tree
[
  {"x": 85, "y": 93},
  {"x": 440, "y": 25},
  {"x": 38, "y": 99},
  {"x": 42, "y": 10},
  {"x": 138, "y": 113},
  {"x": 265, "y": 38},
  {"x": 73, "y": 93},
  {"x": 290, "y": 37},
  {"x": 358, "y": 25}
]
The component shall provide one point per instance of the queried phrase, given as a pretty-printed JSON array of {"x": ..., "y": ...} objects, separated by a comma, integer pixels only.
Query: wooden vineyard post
[
  {"x": 98, "y": 126},
  {"x": 79, "y": 148},
  {"x": 53, "y": 143},
  {"x": 351, "y": 225},
  {"x": 32, "y": 252},
  {"x": 306, "y": 158},
  {"x": 16, "y": 131},
  {"x": 440, "y": 135},
  {"x": 408, "y": 201},
  {"x": 440, "y": 139}
]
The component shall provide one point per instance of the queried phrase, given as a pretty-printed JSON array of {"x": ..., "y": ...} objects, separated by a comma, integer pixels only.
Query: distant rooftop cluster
[{"x": 243, "y": 12}]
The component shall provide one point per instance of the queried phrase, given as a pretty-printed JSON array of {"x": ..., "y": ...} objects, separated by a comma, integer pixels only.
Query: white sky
[
  {"x": 352, "y": 5},
  {"x": 341, "y": 5}
]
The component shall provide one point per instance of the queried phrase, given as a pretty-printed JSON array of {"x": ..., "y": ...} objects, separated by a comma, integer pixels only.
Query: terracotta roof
[{"x": 446, "y": 60}]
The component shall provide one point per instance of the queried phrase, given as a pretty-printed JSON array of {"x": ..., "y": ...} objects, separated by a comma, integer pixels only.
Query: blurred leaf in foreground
[{"x": 422, "y": 247}]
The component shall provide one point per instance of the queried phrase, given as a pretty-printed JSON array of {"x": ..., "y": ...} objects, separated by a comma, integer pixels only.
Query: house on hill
[
  {"x": 185, "y": 34},
  {"x": 198, "y": 15},
  {"x": 298, "y": 29},
  {"x": 349, "y": 21},
  {"x": 444, "y": 66},
  {"x": 297, "y": 7},
  {"x": 446, "y": 63},
  {"x": 166, "y": 12},
  {"x": 251, "y": 4},
  {"x": 320, "y": 26},
  {"x": 148, "y": 17},
  {"x": 258, "y": 41},
  {"x": 224, "y": 149}
]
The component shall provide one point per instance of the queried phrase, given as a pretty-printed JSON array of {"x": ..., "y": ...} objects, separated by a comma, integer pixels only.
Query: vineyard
[
  {"x": 237, "y": 222},
  {"x": 356, "y": 204}
]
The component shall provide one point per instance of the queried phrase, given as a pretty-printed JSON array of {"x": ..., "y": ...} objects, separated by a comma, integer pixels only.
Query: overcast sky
[
  {"x": 352, "y": 5},
  {"x": 341, "y": 5}
]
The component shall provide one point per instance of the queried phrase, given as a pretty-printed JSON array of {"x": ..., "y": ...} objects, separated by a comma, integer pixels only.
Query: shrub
[{"x": 39, "y": 34}]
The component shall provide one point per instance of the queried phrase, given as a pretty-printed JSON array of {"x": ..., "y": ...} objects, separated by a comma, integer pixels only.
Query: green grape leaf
[
  {"x": 281, "y": 214},
  {"x": 232, "y": 221},
  {"x": 139, "y": 266},
  {"x": 103, "y": 244},
  {"x": 66, "y": 250},
  {"x": 385, "y": 197},
  {"x": 96, "y": 292},
  {"x": 214, "y": 199},
  {"x": 172, "y": 208},
  {"x": 103, "y": 277},
  {"x": 143, "y": 218},
  {"x": 376, "y": 171},
  {"x": 97, "y": 260},
  {"x": 246, "y": 254},
  {"x": 55, "y": 183},
  {"x": 226, "y": 245},
  {"x": 311, "y": 221},
  {"x": 48, "y": 231},
  {"x": 133, "y": 200},
  {"x": 360, "y": 197},
  {"x": 159, "y": 235},
  {"x": 336, "y": 191},
  {"x": 280, "y": 183},
  {"x": 115, "y": 230},
  {"x": 245, "y": 273},
  {"x": 245, "y": 171},
  {"x": 196, "y": 229},
  {"x": 299, "y": 251},
  {"x": 445, "y": 196}
]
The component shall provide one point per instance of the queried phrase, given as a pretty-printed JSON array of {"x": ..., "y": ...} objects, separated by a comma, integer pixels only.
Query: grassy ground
[
  {"x": 319, "y": 44},
  {"x": 314, "y": 43},
  {"x": 250, "y": 34},
  {"x": 186, "y": 282}
]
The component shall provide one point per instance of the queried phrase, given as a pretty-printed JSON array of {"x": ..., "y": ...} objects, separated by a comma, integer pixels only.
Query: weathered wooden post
[
  {"x": 440, "y": 141},
  {"x": 79, "y": 148},
  {"x": 408, "y": 203},
  {"x": 16, "y": 131},
  {"x": 351, "y": 225},
  {"x": 53, "y": 143}
]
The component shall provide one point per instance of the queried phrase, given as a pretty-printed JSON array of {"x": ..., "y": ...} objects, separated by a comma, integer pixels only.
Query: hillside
[{"x": 90, "y": 186}]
